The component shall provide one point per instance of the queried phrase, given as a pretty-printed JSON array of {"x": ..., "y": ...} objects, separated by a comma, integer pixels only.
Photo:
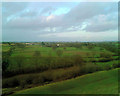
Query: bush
[
  {"x": 41, "y": 78},
  {"x": 105, "y": 59},
  {"x": 38, "y": 80},
  {"x": 22, "y": 83},
  {"x": 59, "y": 52},
  {"x": 12, "y": 82},
  {"x": 78, "y": 60},
  {"x": 107, "y": 67},
  {"x": 116, "y": 65},
  {"x": 90, "y": 68},
  {"x": 105, "y": 54},
  {"x": 47, "y": 76}
]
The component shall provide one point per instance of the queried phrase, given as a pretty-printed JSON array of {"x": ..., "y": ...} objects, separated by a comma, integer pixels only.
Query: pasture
[
  {"x": 28, "y": 52},
  {"x": 37, "y": 64}
]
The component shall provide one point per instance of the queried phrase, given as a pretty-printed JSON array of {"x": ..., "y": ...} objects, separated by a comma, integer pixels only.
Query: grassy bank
[{"x": 104, "y": 82}]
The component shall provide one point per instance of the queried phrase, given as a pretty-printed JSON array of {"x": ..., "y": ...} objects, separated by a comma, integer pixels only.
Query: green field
[
  {"x": 29, "y": 50},
  {"x": 60, "y": 48},
  {"x": 28, "y": 66},
  {"x": 46, "y": 52},
  {"x": 104, "y": 82}
]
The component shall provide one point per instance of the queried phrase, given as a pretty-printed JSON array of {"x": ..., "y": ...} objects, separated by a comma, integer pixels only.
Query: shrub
[
  {"x": 107, "y": 67},
  {"x": 22, "y": 83},
  {"x": 90, "y": 68},
  {"x": 38, "y": 80},
  {"x": 116, "y": 65},
  {"x": 105, "y": 54},
  {"x": 78, "y": 60},
  {"x": 59, "y": 52},
  {"x": 12, "y": 82},
  {"x": 105, "y": 59}
]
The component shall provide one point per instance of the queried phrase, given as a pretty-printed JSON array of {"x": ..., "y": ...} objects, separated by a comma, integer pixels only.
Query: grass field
[
  {"x": 29, "y": 50},
  {"x": 59, "y": 48},
  {"x": 104, "y": 82},
  {"x": 37, "y": 65}
]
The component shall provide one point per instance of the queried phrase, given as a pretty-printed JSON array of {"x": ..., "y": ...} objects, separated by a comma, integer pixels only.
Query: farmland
[{"x": 40, "y": 63}]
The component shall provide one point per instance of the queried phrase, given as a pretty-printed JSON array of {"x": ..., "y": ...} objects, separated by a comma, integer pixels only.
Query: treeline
[
  {"x": 64, "y": 44},
  {"x": 53, "y": 75},
  {"x": 112, "y": 47},
  {"x": 39, "y": 64}
]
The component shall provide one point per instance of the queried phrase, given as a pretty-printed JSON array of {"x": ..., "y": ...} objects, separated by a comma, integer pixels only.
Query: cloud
[
  {"x": 40, "y": 19},
  {"x": 102, "y": 23},
  {"x": 88, "y": 10},
  {"x": 12, "y": 8},
  {"x": 80, "y": 36}
]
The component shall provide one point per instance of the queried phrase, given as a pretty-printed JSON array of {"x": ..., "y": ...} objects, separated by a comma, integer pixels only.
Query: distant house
[
  {"x": 12, "y": 44},
  {"x": 58, "y": 45},
  {"x": 28, "y": 43}
]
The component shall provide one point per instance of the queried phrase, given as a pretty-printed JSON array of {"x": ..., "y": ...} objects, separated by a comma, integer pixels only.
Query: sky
[{"x": 60, "y": 21}]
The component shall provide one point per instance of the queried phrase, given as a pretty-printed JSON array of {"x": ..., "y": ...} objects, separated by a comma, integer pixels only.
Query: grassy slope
[{"x": 104, "y": 82}]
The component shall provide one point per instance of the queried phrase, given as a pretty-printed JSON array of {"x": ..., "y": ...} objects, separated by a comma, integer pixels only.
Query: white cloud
[
  {"x": 52, "y": 21},
  {"x": 102, "y": 23}
]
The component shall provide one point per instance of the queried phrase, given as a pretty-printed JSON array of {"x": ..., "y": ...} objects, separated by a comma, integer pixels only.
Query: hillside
[{"x": 104, "y": 82}]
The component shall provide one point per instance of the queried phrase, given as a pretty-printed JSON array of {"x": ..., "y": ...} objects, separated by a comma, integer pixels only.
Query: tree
[
  {"x": 105, "y": 55},
  {"x": 37, "y": 54},
  {"x": 20, "y": 45},
  {"x": 36, "y": 58},
  {"x": 19, "y": 60},
  {"x": 43, "y": 43},
  {"x": 78, "y": 60},
  {"x": 54, "y": 47},
  {"x": 5, "y": 58},
  {"x": 5, "y": 61},
  {"x": 59, "y": 52},
  {"x": 90, "y": 47}
]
